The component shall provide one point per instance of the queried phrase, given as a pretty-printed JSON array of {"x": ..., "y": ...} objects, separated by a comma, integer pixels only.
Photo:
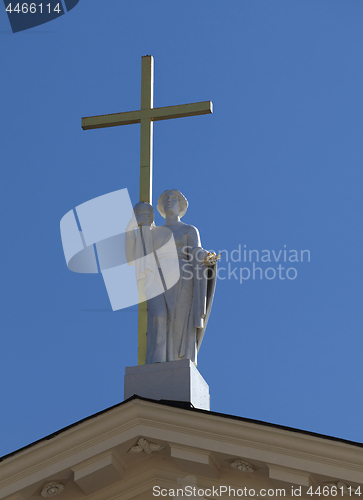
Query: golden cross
[{"x": 146, "y": 116}]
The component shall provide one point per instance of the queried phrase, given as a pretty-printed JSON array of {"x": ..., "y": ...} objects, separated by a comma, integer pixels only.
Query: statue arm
[
  {"x": 195, "y": 245},
  {"x": 194, "y": 238},
  {"x": 202, "y": 255}
]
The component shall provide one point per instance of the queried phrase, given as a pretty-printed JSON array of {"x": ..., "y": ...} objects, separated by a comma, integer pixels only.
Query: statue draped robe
[{"x": 177, "y": 317}]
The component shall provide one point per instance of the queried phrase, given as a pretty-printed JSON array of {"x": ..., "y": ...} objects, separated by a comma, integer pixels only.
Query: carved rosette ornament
[
  {"x": 144, "y": 445},
  {"x": 52, "y": 489},
  {"x": 242, "y": 466}
]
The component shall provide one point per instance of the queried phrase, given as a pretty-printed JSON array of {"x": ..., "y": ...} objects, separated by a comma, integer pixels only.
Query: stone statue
[{"x": 177, "y": 316}]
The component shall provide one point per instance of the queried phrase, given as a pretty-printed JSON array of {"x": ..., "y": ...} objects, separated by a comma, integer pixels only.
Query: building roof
[
  {"x": 123, "y": 451},
  {"x": 187, "y": 407}
]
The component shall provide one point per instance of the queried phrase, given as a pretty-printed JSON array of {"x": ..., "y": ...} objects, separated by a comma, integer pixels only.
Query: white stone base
[{"x": 172, "y": 380}]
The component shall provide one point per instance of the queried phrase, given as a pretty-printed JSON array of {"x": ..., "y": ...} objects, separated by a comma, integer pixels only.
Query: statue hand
[
  {"x": 139, "y": 220},
  {"x": 211, "y": 259},
  {"x": 144, "y": 219}
]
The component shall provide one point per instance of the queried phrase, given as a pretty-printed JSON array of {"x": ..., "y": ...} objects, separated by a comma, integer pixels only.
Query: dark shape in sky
[
  {"x": 30, "y": 14},
  {"x": 70, "y": 4}
]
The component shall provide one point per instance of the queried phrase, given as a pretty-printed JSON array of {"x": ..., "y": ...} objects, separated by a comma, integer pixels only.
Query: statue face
[{"x": 171, "y": 204}]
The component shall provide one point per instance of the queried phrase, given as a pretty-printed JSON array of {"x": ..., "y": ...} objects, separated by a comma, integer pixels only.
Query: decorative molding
[
  {"x": 97, "y": 473},
  {"x": 187, "y": 481},
  {"x": 144, "y": 445},
  {"x": 195, "y": 460},
  {"x": 118, "y": 427},
  {"x": 52, "y": 489},
  {"x": 288, "y": 475},
  {"x": 242, "y": 466}
]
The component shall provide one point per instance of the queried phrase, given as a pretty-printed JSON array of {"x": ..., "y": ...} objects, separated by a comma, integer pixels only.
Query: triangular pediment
[{"x": 139, "y": 445}]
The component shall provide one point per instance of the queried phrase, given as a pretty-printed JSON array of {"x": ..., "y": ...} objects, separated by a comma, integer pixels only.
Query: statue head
[{"x": 172, "y": 201}]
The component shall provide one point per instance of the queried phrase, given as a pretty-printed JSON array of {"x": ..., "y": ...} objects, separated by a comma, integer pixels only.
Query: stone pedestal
[{"x": 172, "y": 380}]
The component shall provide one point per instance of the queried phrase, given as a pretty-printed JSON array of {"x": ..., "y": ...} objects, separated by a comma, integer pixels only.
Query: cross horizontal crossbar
[{"x": 153, "y": 114}]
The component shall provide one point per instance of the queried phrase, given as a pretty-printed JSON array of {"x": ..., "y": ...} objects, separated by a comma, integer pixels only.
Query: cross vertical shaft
[
  {"x": 146, "y": 166},
  {"x": 146, "y": 129}
]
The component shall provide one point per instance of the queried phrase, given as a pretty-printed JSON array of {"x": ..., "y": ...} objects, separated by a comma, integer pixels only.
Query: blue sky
[{"x": 278, "y": 163}]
